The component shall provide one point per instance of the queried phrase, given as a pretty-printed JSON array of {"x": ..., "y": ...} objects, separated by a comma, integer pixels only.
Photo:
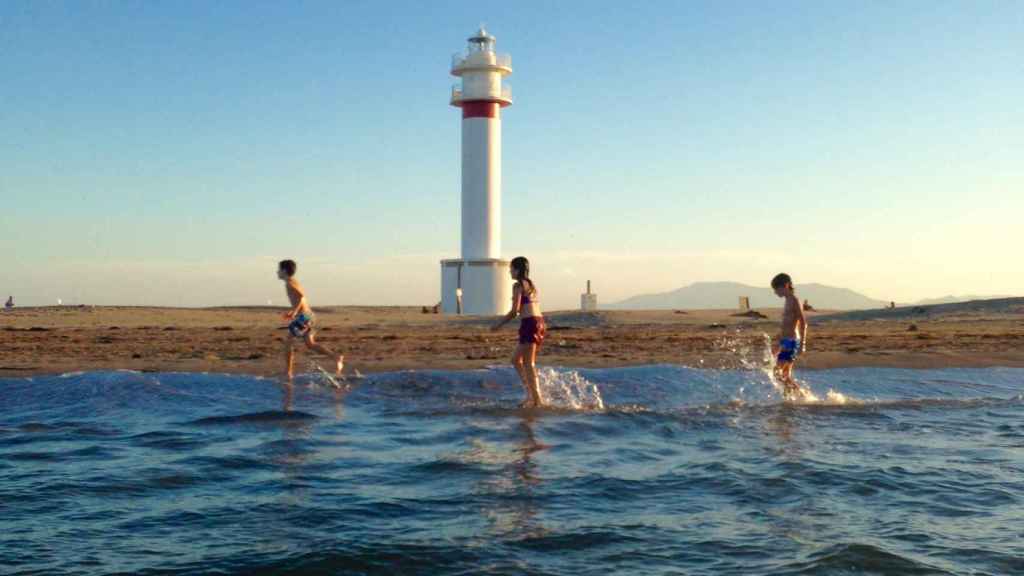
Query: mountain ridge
[{"x": 725, "y": 295}]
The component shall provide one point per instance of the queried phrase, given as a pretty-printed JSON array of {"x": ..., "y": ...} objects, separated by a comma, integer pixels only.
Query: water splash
[
  {"x": 569, "y": 390},
  {"x": 832, "y": 398},
  {"x": 749, "y": 353},
  {"x": 756, "y": 356},
  {"x": 840, "y": 399},
  {"x": 318, "y": 376},
  {"x": 753, "y": 355}
]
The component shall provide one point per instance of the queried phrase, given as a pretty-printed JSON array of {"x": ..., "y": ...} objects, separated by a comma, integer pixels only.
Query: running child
[
  {"x": 301, "y": 319},
  {"x": 526, "y": 305},
  {"x": 792, "y": 340}
]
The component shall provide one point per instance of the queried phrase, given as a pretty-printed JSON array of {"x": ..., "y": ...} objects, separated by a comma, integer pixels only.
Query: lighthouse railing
[
  {"x": 505, "y": 95},
  {"x": 500, "y": 60}
]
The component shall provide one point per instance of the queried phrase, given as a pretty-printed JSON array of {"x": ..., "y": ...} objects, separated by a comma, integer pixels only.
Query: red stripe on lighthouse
[{"x": 480, "y": 109}]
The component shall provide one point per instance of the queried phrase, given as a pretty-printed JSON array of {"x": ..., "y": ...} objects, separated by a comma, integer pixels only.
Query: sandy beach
[{"x": 250, "y": 340}]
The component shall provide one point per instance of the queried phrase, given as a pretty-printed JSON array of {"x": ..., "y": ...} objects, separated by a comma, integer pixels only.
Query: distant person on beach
[
  {"x": 301, "y": 319},
  {"x": 10, "y": 303},
  {"x": 792, "y": 340},
  {"x": 526, "y": 305}
]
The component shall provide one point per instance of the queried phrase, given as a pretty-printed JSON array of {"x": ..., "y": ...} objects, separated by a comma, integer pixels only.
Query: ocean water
[{"x": 645, "y": 470}]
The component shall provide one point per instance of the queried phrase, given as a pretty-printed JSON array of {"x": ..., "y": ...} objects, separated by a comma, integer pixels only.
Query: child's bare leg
[
  {"x": 519, "y": 363},
  {"x": 339, "y": 359},
  {"x": 530, "y": 368},
  {"x": 786, "y": 377},
  {"x": 780, "y": 377},
  {"x": 289, "y": 357}
]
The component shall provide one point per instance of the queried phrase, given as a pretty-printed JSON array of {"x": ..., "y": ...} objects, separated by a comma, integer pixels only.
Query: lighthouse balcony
[
  {"x": 486, "y": 60},
  {"x": 502, "y": 97}
]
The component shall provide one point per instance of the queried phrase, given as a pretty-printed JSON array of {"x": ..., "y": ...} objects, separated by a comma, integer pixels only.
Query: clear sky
[{"x": 170, "y": 153}]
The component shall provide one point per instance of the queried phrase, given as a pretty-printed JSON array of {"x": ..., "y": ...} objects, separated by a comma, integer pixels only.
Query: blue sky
[{"x": 171, "y": 153}]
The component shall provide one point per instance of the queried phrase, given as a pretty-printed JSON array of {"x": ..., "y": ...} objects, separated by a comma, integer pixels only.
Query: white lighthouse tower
[{"x": 478, "y": 282}]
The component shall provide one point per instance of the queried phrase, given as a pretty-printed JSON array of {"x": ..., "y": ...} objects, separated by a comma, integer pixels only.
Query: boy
[
  {"x": 301, "y": 318},
  {"x": 792, "y": 336}
]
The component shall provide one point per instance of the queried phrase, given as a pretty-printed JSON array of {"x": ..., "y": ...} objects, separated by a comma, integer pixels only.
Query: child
[
  {"x": 301, "y": 318},
  {"x": 792, "y": 336},
  {"x": 526, "y": 304}
]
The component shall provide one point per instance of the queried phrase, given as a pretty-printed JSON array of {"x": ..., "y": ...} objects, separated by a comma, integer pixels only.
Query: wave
[
  {"x": 860, "y": 558},
  {"x": 266, "y": 417}
]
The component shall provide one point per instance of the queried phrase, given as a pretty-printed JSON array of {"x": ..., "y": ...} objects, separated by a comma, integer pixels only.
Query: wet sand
[{"x": 251, "y": 340}]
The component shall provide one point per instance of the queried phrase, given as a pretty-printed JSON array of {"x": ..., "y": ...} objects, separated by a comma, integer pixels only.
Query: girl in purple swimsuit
[{"x": 526, "y": 305}]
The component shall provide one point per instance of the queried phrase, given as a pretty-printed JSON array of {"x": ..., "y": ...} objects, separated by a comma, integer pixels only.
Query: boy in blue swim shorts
[
  {"x": 300, "y": 319},
  {"x": 792, "y": 339}
]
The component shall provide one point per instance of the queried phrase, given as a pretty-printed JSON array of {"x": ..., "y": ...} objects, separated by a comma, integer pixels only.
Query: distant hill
[
  {"x": 704, "y": 295},
  {"x": 984, "y": 307},
  {"x": 957, "y": 299}
]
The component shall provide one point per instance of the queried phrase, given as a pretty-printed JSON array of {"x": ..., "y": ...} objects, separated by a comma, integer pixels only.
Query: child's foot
[
  {"x": 791, "y": 391},
  {"x": 527, "y": 404}
]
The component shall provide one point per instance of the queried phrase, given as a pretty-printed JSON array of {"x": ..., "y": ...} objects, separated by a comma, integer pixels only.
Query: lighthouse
[{"x": 478, "y": 282}]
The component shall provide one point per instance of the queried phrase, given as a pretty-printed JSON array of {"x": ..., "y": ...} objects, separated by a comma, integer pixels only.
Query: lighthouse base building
[{"x": 475, "y": 287}]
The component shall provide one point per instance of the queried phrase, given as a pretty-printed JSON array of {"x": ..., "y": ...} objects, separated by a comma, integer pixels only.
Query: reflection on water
[
  {"x": 287, "y": 396},
  {"x": 339, "y": 393},
  {"x": 514, "y": 512},
  {"x": 782, "y": 425}
]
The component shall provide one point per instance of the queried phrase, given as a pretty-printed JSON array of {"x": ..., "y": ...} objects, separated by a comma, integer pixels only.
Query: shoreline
[
  {"x": 911, "y": 364},
  {"x": 250, "y": 340}
]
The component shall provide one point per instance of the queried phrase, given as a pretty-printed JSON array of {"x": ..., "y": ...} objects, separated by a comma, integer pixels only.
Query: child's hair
[
  {"x": 781, "y": 280},
  {"x": 521, "y": 266},
  {"x": 288, "y": 266}
]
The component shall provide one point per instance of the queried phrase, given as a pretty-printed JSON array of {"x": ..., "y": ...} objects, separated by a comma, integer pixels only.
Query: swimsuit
[
  {"x": 301, "y": 325},
  {"x": 789, "y": 349},
  {"x": 532, "y": 330},
  {"x": 528, "y": 297}
]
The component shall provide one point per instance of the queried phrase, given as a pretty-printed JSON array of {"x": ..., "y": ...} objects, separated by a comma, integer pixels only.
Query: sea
[{"x": 659, "y": 469}]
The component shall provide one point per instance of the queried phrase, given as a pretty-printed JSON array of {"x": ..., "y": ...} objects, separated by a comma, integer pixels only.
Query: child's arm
[
  {"x": 517, "y": 303},
  {"x": 295, "y": 290},
  {"x": 802, "y": 319},
  {"x": 777, "y": 341},
  {"x": 298, "y": 307}
]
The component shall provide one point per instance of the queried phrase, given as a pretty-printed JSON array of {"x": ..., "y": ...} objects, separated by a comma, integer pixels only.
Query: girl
[{"x": 525, "y": 303}]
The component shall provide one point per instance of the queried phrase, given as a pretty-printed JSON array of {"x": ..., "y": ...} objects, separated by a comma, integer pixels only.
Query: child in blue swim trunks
[
  {"x": 301, "y": 319},
  {"x": 792, "y": 340}
]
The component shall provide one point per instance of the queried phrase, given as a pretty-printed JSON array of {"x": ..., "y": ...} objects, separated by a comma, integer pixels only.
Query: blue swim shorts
[
  {"x": 789, "y": 349},
  {"x": 301, "y": 325}
]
